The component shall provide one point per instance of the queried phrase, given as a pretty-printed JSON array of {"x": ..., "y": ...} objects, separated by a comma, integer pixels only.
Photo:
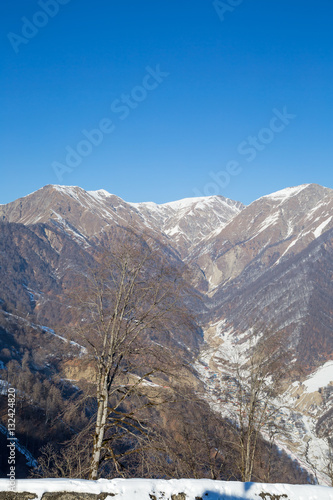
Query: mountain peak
[
  {"x": 100, "y": 193},
  {"x": 285, "y": 193},
  {"x": 70, "y": 190},
  {"x": 289, "y": 192}
]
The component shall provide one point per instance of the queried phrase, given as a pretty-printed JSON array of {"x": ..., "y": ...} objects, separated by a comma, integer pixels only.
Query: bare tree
[
  {"x": 70, "y": 461},
  {"x": 127, "y": 303},
  {"x": 253, "y": 387}
]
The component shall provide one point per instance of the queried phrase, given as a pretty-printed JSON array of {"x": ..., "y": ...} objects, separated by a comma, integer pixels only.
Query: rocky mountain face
[
  {"x": 86, "y": 214},
  {"x": 271, "y": 267},
  {"x": 267, "y": 232},
  {"x": 264, "y": 267}
]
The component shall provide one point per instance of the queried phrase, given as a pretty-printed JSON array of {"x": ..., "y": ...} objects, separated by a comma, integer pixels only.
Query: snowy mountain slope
[
  {"x": 186, "y": 222},
  {"x": 72, "y": 208},
  {"x": 294, "y": 297},
  {"x": 299, "y": 409},
  {"x": 85, "y": 214},
  {"x": 271, "y": 267},
  {"x": 270, "y": 230},
  {"x": 269, "y": 262}
]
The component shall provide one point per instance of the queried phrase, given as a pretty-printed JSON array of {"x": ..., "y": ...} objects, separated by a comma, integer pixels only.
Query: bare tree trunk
[
  {"x": 101, "y": 419},
  {"x": 257, "y": 382},
  {"x": 129, "y": 293}
]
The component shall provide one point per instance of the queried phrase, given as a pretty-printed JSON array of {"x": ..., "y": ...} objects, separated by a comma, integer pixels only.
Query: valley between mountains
[{"x": 256, "y": 272}]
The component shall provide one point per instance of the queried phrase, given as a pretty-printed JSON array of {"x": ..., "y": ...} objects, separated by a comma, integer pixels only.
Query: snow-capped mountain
[
  {"x": 271, "y": 267},
  {"x": 187, "y": 222},
  {"x": 86, "y": 214},
  {"x": 267, "y": 266}
]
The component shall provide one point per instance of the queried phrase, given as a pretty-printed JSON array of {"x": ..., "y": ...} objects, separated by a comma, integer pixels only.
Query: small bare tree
[
  {"x": 71, "y": 461},
  {"x": 253, "y": 387},
  {"x": 127, "y": 303}
]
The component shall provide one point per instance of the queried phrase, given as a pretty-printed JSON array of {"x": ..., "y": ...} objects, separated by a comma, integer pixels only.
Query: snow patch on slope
[
  {"x": 321, "y": 227},
  {"x": 68, "y": 190},
  {"x": 100, "y": 194},
  {"x": 321, "y": 378}
]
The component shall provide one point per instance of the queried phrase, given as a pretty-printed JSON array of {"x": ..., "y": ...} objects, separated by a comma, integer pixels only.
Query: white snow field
[{"x": 174, "y": 489}]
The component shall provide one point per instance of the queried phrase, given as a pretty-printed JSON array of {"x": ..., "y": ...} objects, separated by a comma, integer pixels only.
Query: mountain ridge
[
  {"x": 235, "y": 250},
  {"x": 47, "y": 204}
]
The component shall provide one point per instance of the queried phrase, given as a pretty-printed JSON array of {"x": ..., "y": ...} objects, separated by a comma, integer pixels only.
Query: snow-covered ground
[
  {"x": 192, "y": 489},
  {"x": 321, "y": 378}
]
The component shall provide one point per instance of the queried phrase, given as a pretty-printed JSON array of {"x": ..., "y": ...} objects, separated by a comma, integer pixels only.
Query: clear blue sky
[{"x": 206, "y": 114}]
